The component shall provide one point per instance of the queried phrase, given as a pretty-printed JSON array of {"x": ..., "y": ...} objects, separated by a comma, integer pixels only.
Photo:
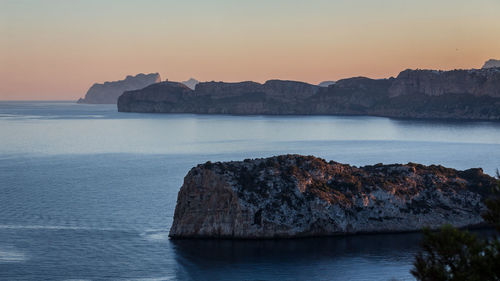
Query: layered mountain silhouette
[{"x": 472, "y": 94}]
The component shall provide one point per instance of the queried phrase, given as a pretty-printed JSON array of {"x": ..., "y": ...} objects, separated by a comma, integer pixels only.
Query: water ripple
[{"x": 10, "y": 254}]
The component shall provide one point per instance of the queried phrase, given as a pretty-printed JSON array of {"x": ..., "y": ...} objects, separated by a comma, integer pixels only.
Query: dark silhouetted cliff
[{"x": 458, "y": 94}]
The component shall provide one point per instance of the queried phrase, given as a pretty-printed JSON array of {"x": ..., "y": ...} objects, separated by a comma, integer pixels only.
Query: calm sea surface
[{"x": 87, "y": 193}]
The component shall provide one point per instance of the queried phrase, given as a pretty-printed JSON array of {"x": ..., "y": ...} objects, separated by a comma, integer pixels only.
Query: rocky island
[
  {"x": 299, "y": 196},
  {"x": 108, "y": 92},
  {"x": 458, "y": 94}
]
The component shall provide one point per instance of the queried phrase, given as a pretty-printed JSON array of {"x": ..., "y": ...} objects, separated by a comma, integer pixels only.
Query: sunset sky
[{"x": 57, "y": 49}]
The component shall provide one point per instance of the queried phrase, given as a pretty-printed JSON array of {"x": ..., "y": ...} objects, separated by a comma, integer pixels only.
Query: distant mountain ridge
[
  {"x": 108, "y": 92},
  {"x": 458, "y": 94}
]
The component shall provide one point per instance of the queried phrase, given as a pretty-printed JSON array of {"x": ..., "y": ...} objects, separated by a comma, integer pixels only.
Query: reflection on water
[
  {"x": 89, "y": 193},
  {"x": 356, "y": 257},
  {"x": 10, "y": 254}
]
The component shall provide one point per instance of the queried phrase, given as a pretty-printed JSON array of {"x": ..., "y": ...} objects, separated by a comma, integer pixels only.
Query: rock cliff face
[
  {"x": 108, "y": 92},
  {"x": 299, "y": 196},
  {"x": 491, "y": 63},
  {"x": 459, "y": 94},
  {"x": 477, "y": 82}
]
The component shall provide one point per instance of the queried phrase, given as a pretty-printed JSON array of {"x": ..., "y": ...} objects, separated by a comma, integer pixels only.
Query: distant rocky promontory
[
  {"x": 458, "y": 94},
  {"x": 108, "y": 92},
  {"x": 299, "y": 196},
  {"x": 191, "y": 83}
]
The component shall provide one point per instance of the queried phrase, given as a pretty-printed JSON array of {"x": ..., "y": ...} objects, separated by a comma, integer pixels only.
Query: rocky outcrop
[
  {"x": 191, "y": 83},
  {"x": 459, "y": 94},
  {"x": 491, "y": 63},
  {"x": 298, "y": 196},
  {"x": 108, "y": 92}
]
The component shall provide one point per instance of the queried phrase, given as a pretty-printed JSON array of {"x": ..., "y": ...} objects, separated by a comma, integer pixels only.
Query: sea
[{"x": 88, "y": 193}]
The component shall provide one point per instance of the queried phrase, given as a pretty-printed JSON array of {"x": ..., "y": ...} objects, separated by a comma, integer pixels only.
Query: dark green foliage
[
  {"x": 452, "y": 254},
  {"x": 493, "y": 214},
  {"x": 455, "y": 255}
]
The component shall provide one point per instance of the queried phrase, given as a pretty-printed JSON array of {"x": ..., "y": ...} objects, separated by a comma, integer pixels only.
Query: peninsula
[{"x": 472, "y": 94}]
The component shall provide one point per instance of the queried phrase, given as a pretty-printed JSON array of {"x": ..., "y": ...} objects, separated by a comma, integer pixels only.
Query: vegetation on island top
[{"x": 455, "y": 255}]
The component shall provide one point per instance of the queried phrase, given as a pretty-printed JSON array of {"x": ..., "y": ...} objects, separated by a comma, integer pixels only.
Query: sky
[{"x": 56, "y": 49}]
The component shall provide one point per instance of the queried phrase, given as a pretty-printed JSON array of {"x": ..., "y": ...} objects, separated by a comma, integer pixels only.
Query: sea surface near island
[{"x": 87, "y": 193}]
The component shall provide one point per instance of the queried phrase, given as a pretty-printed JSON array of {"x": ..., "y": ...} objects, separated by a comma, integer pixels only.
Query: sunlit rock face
[
  {"x": 108, "y": 92},
  {"x": 299, "y": 196},
  {"x": 492, "y": 63}
]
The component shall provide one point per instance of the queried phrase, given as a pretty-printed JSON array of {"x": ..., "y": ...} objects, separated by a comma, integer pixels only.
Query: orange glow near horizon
[{"x": 55, "y": 50}]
